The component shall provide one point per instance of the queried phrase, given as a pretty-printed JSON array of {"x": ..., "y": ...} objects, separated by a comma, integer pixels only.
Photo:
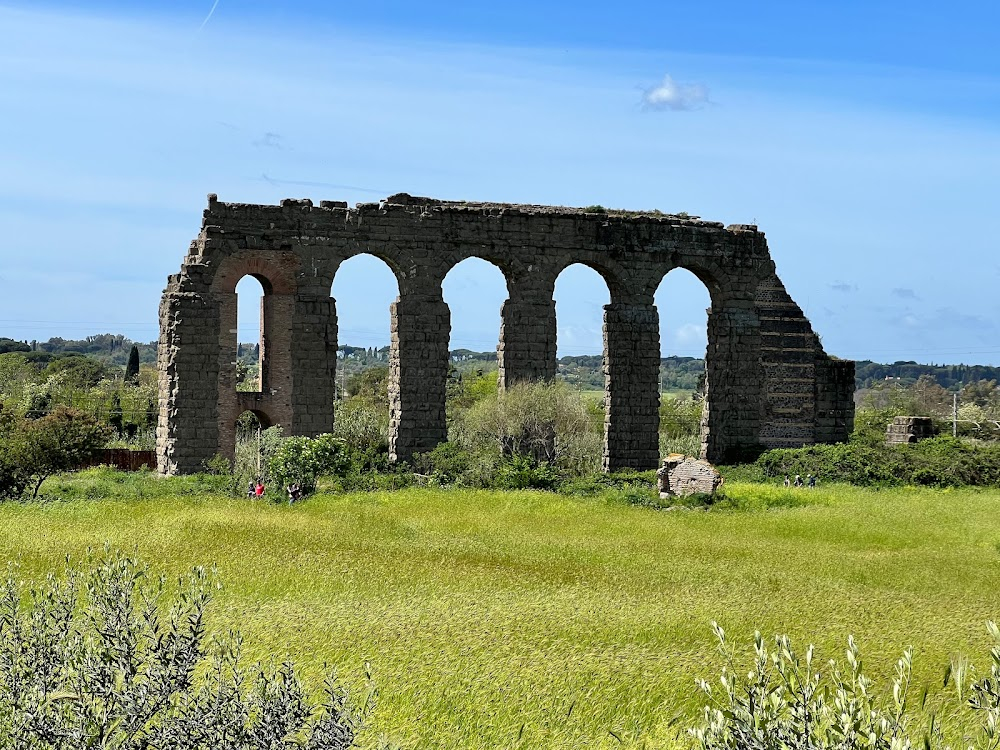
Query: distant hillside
[
  {"x": 950, "y": 377},
  {"x": 676, "y": 373},
  {"x": 110, "y": 348}
]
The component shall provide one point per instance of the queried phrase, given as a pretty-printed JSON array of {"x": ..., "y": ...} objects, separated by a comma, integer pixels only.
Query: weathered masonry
[{"x": 769, "y": 380}]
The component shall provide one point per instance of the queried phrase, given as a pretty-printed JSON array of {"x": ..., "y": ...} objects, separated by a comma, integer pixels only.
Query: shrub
[
  {"x": 302, "y": 460},
  {"x": 107, "y": 657},
  {"x": 939, "y": 462},
  {"x": 547, "y": 421},
  {"x": 363, "y": 425},
  {"x": 254, "y": 451},
  {"x": 33, "y": 450},
  {"x": 445, "y": 464},
  {"x": 522, "y": 473}
]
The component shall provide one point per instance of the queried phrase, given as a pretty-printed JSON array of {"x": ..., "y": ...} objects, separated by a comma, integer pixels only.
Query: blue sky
[{"x": 863, "y": 138}]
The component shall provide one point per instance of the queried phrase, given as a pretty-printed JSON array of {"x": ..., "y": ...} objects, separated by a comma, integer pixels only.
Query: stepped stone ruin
[
  {"x": 909, "y": 430},
  {"x": 769, "y": 382}
]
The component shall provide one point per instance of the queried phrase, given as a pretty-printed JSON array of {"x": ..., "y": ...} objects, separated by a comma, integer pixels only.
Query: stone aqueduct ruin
[{"x": 769, "y": 381}]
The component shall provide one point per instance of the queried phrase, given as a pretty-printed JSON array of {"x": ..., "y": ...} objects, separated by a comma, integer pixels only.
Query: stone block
[{"x": 681, "y": 475}]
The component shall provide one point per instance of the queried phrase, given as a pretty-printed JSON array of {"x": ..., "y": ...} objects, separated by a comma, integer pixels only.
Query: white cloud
[
  {"x": 690, "y": 333},
  {"x": 676, "y": 96}
]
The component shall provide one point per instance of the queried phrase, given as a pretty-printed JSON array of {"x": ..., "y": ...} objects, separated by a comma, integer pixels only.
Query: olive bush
[
  {"x": 789, "y": 701},
  {"x": 108, "y": 657}
]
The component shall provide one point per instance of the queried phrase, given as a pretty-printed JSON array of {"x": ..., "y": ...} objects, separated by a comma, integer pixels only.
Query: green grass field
[{"x": 534, "y": 620}]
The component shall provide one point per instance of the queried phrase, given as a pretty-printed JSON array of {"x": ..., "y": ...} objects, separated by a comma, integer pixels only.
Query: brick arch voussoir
[
  {"x": 512, "y": 269},
  {"x": 276, "y": 272},
  {"x": 400, "y": 260},
  {"x": 257, "y": 410},
  {"x": 708, "y": 277}
]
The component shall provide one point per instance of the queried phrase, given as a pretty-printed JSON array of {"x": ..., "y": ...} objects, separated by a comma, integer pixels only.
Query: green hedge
[{"x": 936, "y": 462}]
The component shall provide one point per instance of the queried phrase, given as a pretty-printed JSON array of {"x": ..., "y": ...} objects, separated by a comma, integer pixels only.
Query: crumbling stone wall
[
  {"x": 769, "y": 380},
  {"x": 681, "y": 476}
]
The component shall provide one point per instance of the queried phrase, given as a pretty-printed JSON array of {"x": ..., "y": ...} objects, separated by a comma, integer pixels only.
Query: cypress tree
[{"x": 132, "y": 368}]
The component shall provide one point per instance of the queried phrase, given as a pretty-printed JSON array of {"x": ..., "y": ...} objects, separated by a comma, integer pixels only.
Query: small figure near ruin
[{"x": 682, "y": 475}]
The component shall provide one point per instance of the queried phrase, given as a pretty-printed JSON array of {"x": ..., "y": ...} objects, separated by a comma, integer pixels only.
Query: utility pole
[
  {"x": 260, "y": 450},
  {"x": 954, "y": 415}
]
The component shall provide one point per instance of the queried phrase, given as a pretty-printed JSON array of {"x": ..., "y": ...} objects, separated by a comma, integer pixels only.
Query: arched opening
[
  {"x": 474, "y": 291},
  {"x": 580, "y": 295},
  {"x": 250, "y": 334},
  {"x": 363, "y": 290},
  {"x": 682, "y": 301}
]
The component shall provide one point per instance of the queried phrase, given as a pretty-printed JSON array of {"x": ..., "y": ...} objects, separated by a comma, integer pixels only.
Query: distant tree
[
  {"x": 982, "y": 393},
  {"x": 81, "y": 371},
  {"x": 132, "y": 368},
  {"x": 371, "y": 385},
  {"x": 152, "y": 414},
  {"x": 10, "y": 345},
  {"x": 14, "y": 458},
  {"x": 117, "y": 418}
]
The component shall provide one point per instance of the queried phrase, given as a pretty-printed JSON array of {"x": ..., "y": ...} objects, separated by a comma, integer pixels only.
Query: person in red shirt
[{"x": 259, "y": 489}]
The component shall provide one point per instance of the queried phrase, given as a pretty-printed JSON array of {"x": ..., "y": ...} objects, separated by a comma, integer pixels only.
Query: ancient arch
[{"x": 772, "y": 384}]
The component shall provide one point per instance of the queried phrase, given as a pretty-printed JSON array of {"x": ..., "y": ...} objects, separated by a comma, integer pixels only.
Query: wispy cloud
[
  {"x": 209, "y": 16},
  {"x": 904, "y": 293},
  {"x": 305, "y": 183},
  {"x": 956, "y": 319},
  {"x": 269, "y": 140},
  {"x": 671, "y": 95},
  {"x": 689, "y": 333},
  {"x": 843, "y": 286}
]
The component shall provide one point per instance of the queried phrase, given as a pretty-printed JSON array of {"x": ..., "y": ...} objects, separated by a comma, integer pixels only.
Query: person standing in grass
[
  {"x": 258, "y": 490},
  {"x": 798, "y": 480},
  {"x": 788, "y": 481},
  {"x": 812, "y": 481}
]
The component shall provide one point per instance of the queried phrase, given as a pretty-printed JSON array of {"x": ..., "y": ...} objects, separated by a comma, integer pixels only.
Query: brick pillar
[
  {"x": 734, "y": 379},
  {"x": 631, "y": 386},
  {"x": 188, "y": 364},
  {"x": 418, "y": 371},
  {"x": 527, "y": 350},
  {"x": 314, "y": 364}
]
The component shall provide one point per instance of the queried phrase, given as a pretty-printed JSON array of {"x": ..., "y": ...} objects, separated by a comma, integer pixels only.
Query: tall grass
[{"x": 537, "y": 620}]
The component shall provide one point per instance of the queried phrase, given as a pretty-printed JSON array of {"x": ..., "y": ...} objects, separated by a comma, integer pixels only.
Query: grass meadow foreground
[{"x": 537, "y": 620}]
